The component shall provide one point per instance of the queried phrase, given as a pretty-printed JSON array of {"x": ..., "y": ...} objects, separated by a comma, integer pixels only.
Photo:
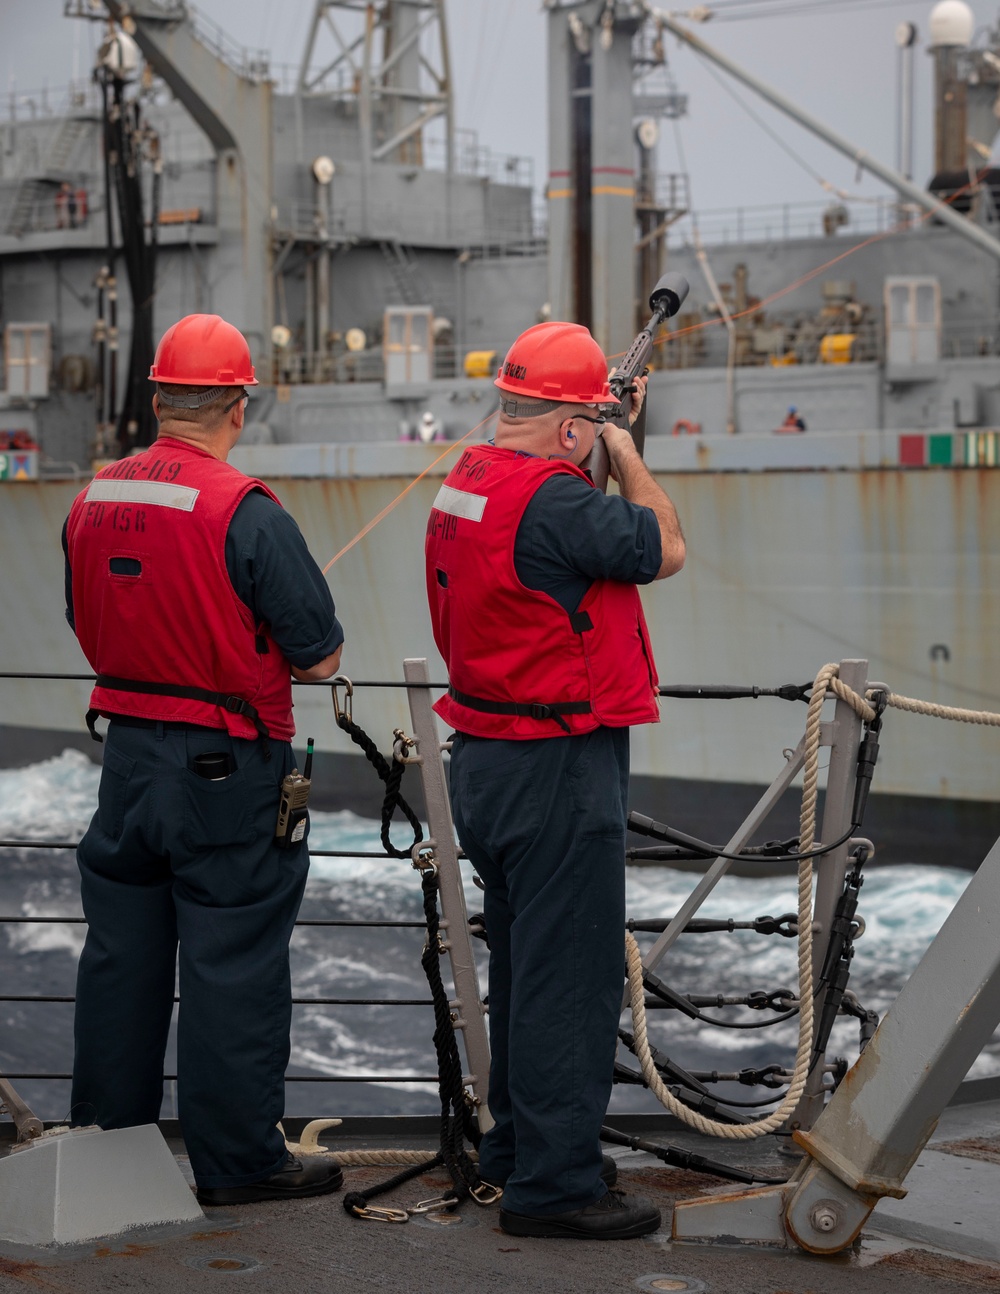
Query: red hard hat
[
  {"x": 556, "y": 361},
  {"x": 203, "y": 350}
]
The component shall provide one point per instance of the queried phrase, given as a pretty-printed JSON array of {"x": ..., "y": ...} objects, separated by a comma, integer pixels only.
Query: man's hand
[{"x": 638, "y": 399}]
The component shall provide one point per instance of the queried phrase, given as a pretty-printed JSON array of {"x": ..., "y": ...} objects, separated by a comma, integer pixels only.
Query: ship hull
[{"x": 787, "y": 570}]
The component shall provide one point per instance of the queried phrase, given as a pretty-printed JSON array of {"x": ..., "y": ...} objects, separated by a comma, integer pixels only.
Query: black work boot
[
  {"x": 615, "y": 1216},
  {"x": 317, "y": 1175}
]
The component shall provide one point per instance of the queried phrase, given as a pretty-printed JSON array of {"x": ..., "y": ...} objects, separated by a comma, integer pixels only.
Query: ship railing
[
  {"x": 26, "y": 1073},
  {"x": 843, "y": 736},
  {"x": 470, "y": 157},
  {"x": 293, "y": 367},
  {"x": 253, "y": 64},
  {"x": 301, "y": 367},
  {"x": 782, "y": 340},
  {"x": 47, "y": 215},
  {"x": 781, "y": 222},
  {"x": 78, "y": 96},
  {"x": 970, "y": 338},
  {"x": 495, "y": 232}
]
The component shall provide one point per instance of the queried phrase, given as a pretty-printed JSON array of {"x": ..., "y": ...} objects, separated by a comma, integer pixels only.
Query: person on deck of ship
[
  {"x": 531, "y": 580},
  {"x": 793, "y": 421},
  {"x": 195, "y": 600}
]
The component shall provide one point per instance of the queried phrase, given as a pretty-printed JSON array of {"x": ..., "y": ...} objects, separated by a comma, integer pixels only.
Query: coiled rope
[{"x": 825, "y": 680}]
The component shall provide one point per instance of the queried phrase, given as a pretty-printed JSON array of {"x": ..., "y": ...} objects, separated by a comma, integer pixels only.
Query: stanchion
[{"x": 468, "y": 1012}]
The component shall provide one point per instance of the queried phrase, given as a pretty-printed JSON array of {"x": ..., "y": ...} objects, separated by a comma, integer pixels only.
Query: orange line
[
  {"x": 403, "y": 493},
  {"x": 708, "y": 323},
  {"x": 812, "y": 274}
]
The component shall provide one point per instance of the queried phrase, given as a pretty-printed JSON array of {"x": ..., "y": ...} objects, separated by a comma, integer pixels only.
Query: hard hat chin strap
[
  {"x": 192, "y": 399},
  {"x": 515, "y": 408}
]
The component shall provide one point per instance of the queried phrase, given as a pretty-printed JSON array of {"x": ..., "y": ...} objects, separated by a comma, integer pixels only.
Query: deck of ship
[{"x": 943, "y": 1236}]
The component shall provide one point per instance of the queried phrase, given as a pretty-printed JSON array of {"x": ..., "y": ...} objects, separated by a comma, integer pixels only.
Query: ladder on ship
[
  {"x": 35, "y": 187},
  {"x": 406, "y": 273}
]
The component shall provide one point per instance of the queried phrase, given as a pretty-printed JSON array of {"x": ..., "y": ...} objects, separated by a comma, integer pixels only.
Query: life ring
[{"x": 687, "y": 427}]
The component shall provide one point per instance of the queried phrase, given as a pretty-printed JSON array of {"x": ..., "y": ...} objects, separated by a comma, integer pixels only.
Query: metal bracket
[
  {"x": 883, "y": 1113},
  {"x": 442, "y": 852}
]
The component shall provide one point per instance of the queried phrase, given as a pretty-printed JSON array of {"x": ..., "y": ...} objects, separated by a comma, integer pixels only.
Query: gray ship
[{"x": 380, "y": 263}]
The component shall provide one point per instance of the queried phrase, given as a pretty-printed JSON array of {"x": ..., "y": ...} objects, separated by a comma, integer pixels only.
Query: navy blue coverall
[
  {"x": 543, "y": 823},
  {"x": 172, "y": 859}
]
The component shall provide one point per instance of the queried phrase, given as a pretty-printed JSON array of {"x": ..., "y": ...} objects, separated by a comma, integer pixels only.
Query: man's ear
[{"x": 156, "y": 406}]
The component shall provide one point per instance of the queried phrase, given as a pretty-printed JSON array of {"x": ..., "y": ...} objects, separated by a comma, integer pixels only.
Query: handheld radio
[{"x": 293, "y": 812}]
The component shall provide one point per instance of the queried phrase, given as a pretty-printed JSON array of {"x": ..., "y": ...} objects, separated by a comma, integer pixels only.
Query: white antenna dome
[
  {"x": 120, "y": 55},
  {"x": 953, "y": 23}
]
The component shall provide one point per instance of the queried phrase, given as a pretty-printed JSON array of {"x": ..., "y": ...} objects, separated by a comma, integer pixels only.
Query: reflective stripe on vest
[{"x": 153, "y": 602}]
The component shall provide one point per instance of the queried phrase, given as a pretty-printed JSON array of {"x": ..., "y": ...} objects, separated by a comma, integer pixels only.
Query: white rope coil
[{"x": 826, "y": 680}]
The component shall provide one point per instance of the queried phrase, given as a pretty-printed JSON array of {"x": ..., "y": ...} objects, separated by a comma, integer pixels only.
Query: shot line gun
[{"x": 665, "y": 300}]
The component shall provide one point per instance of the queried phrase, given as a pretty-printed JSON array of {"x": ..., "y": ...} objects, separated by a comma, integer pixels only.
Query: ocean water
[{"x": 903, "y": 907}]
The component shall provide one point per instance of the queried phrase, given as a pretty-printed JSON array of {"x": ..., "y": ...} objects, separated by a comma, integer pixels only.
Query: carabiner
[
  {"x": 486, "y": 1193},
  {"x": 439, "y": 1204},
  {"x": 382, "y": 1215},
  {"x": 347, "y": 712}
]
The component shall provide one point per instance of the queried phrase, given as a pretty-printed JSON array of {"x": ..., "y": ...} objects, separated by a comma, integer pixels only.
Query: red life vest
[
  {"x": 152, "y": 599},
  {"x": 519, "y": 666}
]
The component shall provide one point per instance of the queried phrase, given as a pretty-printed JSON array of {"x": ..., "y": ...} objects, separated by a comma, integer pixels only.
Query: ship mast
[
  {"x": 608, "y": 208},
  {"x": 395, "y": 61}
]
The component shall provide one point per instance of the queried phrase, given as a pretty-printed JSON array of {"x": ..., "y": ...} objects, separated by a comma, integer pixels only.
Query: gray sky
[{"x": 840, "y": 66}]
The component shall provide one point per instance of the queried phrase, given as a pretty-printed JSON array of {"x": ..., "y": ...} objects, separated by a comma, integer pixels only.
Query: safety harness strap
[
  {"x": 534, "y": 710},
  {"x": 232, "y": 704}
]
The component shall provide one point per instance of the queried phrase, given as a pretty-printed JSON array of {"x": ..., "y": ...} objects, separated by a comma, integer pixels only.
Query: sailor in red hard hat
[
  {"x": 195, "y": 601},
  {"x": 531, "y": 581}
]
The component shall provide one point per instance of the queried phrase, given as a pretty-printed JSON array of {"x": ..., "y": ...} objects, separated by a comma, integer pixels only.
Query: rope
[
  {"x": 361, "y": 1158},
  {"x": 456, "y": 1117},
  {"x": 943, "y": 711},
  {"x": 391, "y": 775},
  {"x": 457, "y": 1123},
  {"x": 826, "y": 680}
]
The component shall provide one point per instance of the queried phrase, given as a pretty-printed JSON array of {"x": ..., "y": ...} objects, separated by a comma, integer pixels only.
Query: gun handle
[
  {"x": 598, "y": 464},
  {"x": 638, "y": 430}
]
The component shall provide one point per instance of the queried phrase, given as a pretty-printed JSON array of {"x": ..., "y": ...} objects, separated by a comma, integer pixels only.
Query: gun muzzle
[{"x": 669, "y": 295}]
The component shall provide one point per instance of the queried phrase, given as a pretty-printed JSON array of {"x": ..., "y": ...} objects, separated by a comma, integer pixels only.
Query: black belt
[
  {"x": 532, "y": 710},
  {"x": 135, "y": 721},
  {"x": 232, "y": 704}
]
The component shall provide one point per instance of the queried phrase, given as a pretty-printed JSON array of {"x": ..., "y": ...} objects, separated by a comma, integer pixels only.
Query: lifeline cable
[{"x": 825, "y": 681}]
